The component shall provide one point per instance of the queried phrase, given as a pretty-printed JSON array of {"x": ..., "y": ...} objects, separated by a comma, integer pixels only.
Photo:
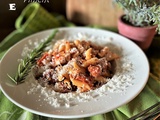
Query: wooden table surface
[{"x": 99, "y": 12}]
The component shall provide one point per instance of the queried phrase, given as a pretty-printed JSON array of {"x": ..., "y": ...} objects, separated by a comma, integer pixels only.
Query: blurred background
[{"x": 81, "y": 12}]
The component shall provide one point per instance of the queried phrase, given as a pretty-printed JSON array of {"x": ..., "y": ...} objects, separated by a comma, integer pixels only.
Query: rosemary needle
[{"x": 25, "y": 65}]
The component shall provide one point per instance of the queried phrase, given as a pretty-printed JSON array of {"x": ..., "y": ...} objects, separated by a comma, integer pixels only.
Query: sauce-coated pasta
[{"x": 75, "y": 66}]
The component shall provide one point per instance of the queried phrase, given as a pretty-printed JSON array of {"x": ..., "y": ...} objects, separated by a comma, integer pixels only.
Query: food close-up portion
[{"x": 75, "y": 66}]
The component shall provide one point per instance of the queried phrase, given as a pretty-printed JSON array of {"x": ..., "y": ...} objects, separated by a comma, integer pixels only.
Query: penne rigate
[{"x": 77, "y": 65}]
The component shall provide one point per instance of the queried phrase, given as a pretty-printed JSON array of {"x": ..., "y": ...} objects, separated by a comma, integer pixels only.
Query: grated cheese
[{"x": 118, "y": 83}]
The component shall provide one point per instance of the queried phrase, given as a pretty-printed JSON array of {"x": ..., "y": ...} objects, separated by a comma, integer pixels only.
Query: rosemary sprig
[{"x": 25, "y": 65}]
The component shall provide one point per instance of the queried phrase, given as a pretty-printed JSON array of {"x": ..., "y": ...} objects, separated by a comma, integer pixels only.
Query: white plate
[{"x": 101, "y": 104}]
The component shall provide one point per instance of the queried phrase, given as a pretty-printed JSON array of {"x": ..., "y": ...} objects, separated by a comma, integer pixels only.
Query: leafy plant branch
[
  {"x": 141, "y": 12},
  {"x": 25, "y": 65}
]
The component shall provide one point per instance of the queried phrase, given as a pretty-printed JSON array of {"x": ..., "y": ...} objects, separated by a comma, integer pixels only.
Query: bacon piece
[{"x": 95, "y": 71}]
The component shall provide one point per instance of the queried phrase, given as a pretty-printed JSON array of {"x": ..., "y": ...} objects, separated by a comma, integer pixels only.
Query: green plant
[
  {"x": 25, "y": 65},
  {"x": 141, "y": 12}
]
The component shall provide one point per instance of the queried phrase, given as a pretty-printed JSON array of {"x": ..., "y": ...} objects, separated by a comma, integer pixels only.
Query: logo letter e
[{"x": 12, "y": 6}]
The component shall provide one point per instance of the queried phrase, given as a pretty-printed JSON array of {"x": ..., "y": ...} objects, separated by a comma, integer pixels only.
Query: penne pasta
[
  {"x": 76, "y": 66},
  {"x": 103, "y": 51},
  {"x": 88, "y": 54},
  {"x": 91, "y": 61},
  {"x": 61, "y": 48},
  {"x": 81, "y": 85},
  {"x": 67, "y": 48}
]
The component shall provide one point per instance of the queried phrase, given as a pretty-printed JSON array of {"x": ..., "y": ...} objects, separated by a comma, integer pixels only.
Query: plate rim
[{"x": 70, "y": 116}]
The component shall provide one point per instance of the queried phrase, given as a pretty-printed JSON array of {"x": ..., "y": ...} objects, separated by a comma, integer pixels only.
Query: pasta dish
[{"x": 77, "y": 65}]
